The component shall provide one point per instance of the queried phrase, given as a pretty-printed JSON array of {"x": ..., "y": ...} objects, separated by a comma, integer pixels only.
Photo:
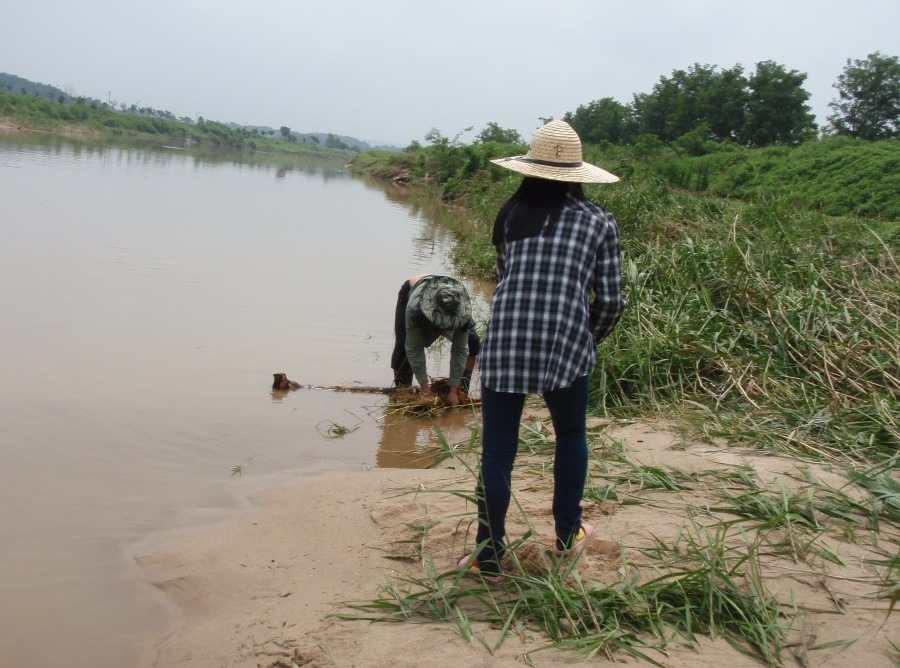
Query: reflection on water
[
  {"x": 147, "y": 296},
  {"x": 133, "y": 151},
  {"x": 408, "y": 441}
]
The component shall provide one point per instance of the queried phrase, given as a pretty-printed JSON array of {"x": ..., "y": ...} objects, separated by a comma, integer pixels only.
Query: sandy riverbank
[{"x": 257, "y": 589}]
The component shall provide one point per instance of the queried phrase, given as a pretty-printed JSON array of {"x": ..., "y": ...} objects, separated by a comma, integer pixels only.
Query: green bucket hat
[{"x": 446, "y": 303}]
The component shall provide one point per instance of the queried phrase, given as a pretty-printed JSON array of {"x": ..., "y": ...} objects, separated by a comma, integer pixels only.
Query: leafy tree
[
  {"x": 604, "y": 120},
  {"x": 444, "y": 158},
  {"x": 723, "y": 104},
  {"x": 285, "y": 131},
  {"x": 652, "y": 111},
  {"x": 766, "y": 108},
  {"x": 777, "y": 112},
  {"x": 494, "y": 133},
  {"x": 435, "y": 138},
  {"x": 681, "y": 103},
  {"x": 673, "y": 107},
  {"x": 869, "y": 98}
]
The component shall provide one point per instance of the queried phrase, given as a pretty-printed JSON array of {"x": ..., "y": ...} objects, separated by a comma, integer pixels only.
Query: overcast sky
[{"x": 389, "y": 71}]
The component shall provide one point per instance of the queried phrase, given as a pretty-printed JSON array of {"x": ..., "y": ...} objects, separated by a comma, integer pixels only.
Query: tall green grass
[
  {"x": 836, "y": 175},
  {"x": 759, "y": 322},
  {"x": 779, "y": 324}
]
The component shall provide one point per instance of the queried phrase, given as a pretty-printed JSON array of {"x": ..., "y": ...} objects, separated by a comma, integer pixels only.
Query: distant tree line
[
  {"x": 40, "y": 113},
  {"x": 768, "y": 107},
  {"x": 695, "y": 109},
  {"x": 10, "y": 83},
  {"x": 13, "y": 84},
  {"x": 715, "y": 131}
]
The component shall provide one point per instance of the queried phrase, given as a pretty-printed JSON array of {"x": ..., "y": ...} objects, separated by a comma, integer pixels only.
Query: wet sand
[{"x": 258, "y": 589}]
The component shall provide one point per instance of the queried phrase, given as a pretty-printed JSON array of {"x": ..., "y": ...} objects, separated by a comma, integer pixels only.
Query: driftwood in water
[
  {"x": 282, "y": 383},
  {"x": 366, "y": 389}
]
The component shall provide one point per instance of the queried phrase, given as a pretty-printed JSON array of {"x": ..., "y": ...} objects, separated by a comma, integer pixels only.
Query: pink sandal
[
  {"x": 585, "y": 534},
  {"x": 469, "y": 564}
]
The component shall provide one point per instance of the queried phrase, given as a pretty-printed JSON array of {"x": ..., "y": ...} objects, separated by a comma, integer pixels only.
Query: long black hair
[{"x": 533, "y": 208}]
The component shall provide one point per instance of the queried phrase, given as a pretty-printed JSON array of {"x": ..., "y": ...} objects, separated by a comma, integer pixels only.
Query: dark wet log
[
  {"x": 282, "y": 383},
  {"x": 403, "y": 399}
]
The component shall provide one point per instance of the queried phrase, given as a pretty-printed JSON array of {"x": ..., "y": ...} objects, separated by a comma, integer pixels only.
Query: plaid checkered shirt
[{"x": 558, "y": 294}]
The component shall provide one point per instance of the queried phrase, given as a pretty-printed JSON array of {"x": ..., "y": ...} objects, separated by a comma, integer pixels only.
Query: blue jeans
[{"x": 502, "y": 413}]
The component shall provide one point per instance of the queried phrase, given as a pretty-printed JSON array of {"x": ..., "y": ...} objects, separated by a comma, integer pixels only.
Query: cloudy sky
[{"x": 389, "y": 71}]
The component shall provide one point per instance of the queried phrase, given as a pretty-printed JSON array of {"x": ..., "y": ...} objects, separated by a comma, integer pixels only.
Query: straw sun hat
[{"x": 555, "y": 154}]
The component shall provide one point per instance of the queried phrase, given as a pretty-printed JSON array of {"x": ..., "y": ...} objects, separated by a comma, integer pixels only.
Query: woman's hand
[{"x": 453, "y": 397}]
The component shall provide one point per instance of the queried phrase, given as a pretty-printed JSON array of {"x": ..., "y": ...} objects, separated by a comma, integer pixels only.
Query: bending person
[{"x": 429, "y": 307}]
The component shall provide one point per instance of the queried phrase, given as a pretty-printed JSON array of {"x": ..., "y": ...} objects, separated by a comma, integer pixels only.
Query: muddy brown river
[{"x": 147, "y": 295}]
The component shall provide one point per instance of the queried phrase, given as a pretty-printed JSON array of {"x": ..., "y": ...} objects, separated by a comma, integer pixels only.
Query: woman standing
[{"x": 558, "y": 295}]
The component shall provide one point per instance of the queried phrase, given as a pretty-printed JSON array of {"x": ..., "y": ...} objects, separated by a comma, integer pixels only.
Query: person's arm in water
[
  {"x": 459, "y": 354},
  {"x": 415, "y": 353}
]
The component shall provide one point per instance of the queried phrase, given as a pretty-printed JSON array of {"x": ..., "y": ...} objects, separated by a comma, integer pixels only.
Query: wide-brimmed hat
[
  {"x": 555, "y": 154},
  {"x": 446, "y": 303}
]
